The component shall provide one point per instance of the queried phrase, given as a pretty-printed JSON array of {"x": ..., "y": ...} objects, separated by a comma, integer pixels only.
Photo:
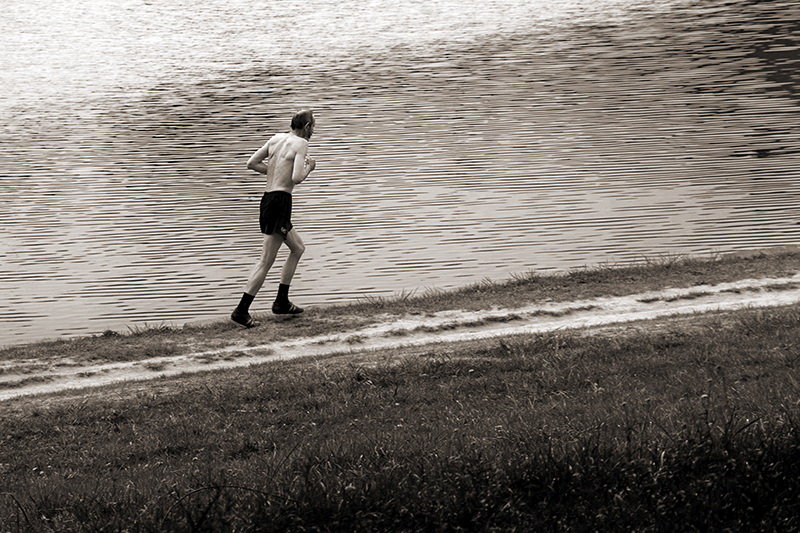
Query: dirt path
[{"x": 22, "y": 378}]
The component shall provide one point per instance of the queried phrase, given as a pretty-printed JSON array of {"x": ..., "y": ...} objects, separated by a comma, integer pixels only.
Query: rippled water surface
[{"x": 455, "y": 141}]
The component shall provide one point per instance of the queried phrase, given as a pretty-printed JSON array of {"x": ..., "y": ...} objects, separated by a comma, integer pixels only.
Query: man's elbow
[{"x": 256, "y": 166}]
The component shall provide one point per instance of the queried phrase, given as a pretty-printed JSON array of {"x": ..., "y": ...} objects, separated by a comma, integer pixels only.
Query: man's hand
[{"x": 311, "y": 163}]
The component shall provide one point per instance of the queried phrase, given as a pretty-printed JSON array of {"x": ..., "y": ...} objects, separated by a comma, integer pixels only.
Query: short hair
[{"x": 301, "y": 119}]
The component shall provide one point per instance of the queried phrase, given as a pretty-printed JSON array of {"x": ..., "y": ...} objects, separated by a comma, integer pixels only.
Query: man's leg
[
  {"x": 269, "y": 251},
  {"x": 282, "y": 305}
]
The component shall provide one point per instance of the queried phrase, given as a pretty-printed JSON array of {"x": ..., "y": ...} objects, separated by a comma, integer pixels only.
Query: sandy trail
[{"x": 442, "y": 327}]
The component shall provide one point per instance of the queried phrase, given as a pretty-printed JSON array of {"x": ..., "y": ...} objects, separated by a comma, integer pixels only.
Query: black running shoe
[
  {"x": 287, "y": 308},
  {"x": 244, "y": 319}
]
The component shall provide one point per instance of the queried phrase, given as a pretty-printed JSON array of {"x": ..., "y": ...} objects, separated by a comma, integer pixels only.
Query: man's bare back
[{"x": 287, "y": 161}]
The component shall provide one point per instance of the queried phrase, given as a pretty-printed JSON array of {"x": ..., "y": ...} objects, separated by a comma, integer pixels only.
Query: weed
[
  {"x": 146, "y": 328},
  {"x": 355, "y": 339},
  {"x": 692, "y": 295},
  {"x": 503, "y": 318},
  {"x": 649, "y": 299},
  {"x": 781, "y": 286}
]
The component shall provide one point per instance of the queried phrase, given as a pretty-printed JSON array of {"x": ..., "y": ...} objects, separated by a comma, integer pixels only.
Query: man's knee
[
  {"x": 298, "y": 249},
  {"x": 263, "y": 264}
]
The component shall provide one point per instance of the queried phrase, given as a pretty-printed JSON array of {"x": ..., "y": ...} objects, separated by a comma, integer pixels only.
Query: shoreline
[
  {"x": 137, "y": 328},
  {"x": 390, "y": 324}
]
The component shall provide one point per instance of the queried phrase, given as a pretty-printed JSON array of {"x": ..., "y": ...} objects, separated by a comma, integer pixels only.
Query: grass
[
  {"x": 523, "y": 289},
  {"x": 682, "y": 425}
]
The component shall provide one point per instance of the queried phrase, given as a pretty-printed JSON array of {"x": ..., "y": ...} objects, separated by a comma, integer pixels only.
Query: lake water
[{"x": 456, "y": 141}]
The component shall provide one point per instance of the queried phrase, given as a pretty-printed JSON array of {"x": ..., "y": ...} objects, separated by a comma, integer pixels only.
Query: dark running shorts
[{"x": 276, "y": 213}]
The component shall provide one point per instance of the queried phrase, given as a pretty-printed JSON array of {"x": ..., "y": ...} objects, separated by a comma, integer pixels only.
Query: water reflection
[{"x": 648, "y": 130}]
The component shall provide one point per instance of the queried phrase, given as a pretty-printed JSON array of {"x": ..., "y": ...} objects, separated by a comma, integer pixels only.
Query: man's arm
[
  {"x": 303, "y": 165},
  {"x": 256, "y": 160}
]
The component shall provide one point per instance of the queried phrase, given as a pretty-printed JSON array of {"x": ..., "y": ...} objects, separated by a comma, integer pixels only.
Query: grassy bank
[
  {"x": 680, "y": 425},
  {"x": 603, "y": 280}
]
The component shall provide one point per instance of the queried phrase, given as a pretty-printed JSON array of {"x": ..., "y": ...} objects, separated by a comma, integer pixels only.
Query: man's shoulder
[
  {"x": 297, "y": 143},
  {"x": 289, "y": 138}
]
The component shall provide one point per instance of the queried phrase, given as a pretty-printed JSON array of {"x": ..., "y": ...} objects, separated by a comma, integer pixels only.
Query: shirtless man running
[{"x": 287, "y": 164}]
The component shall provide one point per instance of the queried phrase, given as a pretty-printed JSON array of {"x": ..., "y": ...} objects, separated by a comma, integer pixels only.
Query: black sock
[
  {"x": 244, "y": 303},
  {"x": 283, "y": 294}
]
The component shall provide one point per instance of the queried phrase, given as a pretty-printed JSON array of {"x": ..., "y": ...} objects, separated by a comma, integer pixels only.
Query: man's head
[{"x": 303, "y": 123}]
